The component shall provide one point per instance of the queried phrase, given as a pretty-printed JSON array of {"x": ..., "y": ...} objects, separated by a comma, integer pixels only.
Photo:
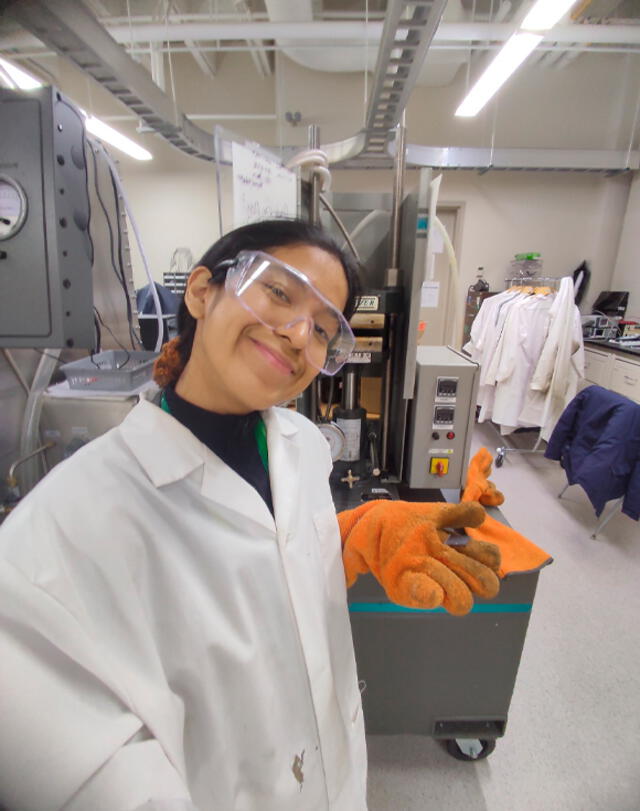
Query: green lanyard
[{"x": 260, "y": 434}]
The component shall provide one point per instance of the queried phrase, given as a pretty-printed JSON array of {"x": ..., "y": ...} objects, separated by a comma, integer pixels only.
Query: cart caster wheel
[
  {"x": 499, "y": 459},
  {"x": 470, "y": 748}
]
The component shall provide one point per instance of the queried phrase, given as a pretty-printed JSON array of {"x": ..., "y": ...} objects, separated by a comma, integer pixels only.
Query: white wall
[
  {"x": 626, "y": 275},
  {"x": 172, "y": 210},
  {"x": 565, "y": 217}
]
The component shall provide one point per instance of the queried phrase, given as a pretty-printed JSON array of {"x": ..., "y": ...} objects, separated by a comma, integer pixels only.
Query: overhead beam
[
  {"x": 207, "y": 64},
  {"x": 71, "y": 30},
  {"x": 259, "y": 55},
  {"x": 344, "y": 32},
  {"x": 568, "y": 160}
]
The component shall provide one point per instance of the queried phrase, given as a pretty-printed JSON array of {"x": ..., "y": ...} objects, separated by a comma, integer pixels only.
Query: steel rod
[{"x": 391, "y": 278}]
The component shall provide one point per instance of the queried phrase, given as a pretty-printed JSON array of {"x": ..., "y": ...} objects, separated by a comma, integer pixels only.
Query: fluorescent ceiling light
[
  {"x": 21, "y": 79},
  {"x": 106, "y": 133},
  {"x": 512, "y": 54},
  {"x": 24, "y": 81},
  {"x": 545, "y": 14}
]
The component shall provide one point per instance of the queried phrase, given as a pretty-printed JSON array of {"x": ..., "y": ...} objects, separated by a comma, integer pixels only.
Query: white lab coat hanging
[{"x": 165, "y": 644}]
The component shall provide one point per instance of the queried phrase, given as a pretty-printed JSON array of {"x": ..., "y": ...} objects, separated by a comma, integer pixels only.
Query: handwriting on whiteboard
[{"x": 262, "y": 189}]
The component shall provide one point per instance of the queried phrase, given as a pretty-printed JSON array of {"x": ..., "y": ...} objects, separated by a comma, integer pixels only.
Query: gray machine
[
  {"x": 424, "y": 671},
  {"x": 46, "y": 254},
  {"x": 71, "y": 418},
  {"x": 65, "y": 270}
]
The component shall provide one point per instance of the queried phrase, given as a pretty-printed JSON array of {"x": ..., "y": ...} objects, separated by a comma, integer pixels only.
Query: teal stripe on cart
[{"x": 479, "y": 608}]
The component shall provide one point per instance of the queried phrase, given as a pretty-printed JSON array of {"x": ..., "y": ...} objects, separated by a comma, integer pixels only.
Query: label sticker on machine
[
  {"x": 368, "y": 304},
  {"x": 440, "y": 451},
  {"x": 359, "y": 357},
  {"x": 430, "y": 294},
  {"x": 351, "y": 430}
]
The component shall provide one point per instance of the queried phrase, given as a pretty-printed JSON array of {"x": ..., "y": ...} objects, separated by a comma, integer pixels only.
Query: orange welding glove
[
  {"x": 517, "y": 553},
  {"x": 403, "y": 544},
  {"x": 478, "y": 486}
]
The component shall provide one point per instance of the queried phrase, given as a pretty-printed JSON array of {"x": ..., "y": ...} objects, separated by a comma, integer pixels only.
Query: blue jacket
[{"x": 597, "y": 441}]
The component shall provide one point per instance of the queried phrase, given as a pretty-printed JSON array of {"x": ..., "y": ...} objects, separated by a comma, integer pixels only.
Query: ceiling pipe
[{"x": 341, "y": 33}]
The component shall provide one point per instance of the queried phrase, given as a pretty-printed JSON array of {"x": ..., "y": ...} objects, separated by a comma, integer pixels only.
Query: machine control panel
[{"x": 441, "y": 418}]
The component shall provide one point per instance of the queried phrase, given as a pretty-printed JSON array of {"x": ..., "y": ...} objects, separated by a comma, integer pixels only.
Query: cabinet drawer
[
  {"x": 625, "y": 379},
  {"x": 597, "y": 367}
]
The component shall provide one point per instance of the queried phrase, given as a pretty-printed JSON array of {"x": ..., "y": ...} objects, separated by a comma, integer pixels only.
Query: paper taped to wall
[
  {"x": 262, "y": 188},
  {"x": 430, "y": 294}
]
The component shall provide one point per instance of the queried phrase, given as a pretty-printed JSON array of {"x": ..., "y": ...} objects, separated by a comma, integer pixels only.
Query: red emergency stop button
[{"x": 451, "y": 434}]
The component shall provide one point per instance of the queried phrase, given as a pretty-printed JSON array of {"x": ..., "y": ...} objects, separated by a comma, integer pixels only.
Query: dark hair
[{"x": 257, "y": 236}]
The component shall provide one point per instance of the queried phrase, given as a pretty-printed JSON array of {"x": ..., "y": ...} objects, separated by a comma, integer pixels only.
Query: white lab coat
[
  {"x": 165, "y": 644},
  {"x": 560, "y": 367},
  {"x": 486, "y": 332},
  {"x": 516, "y": 356}
]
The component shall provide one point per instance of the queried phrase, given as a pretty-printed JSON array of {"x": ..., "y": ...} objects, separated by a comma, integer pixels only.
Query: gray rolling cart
[{"x": 429, "y": 673}]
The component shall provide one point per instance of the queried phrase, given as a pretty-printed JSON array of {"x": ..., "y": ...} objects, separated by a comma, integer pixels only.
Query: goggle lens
[{"x": 281, "y": 296}]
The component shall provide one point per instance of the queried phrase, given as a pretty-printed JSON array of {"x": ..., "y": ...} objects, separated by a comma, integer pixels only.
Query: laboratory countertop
[{"x": 627, "y": 350}]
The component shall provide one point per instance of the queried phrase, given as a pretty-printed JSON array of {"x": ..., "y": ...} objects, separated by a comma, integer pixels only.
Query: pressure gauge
[
  {"x": 13, "y": 207},
  {"x": 335, "y": 437}
]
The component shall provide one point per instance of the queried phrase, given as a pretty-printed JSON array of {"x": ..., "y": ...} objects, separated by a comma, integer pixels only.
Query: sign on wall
[{"x": 262, "y": 188}]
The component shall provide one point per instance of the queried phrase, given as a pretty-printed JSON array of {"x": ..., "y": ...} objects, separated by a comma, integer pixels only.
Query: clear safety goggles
[{"x": 281, "y": 297}]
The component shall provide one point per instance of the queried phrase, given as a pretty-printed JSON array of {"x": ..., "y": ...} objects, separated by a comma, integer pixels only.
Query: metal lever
[
  {"x": 373, "y": 453},
  {"x": 457, "y": 536}
]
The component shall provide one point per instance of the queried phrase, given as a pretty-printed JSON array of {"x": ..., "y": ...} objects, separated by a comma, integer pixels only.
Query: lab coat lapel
[
  {"x": 284, "y": 456},
  {"x": 226, "y": 487},
  {"x": 169, "y": 452}
]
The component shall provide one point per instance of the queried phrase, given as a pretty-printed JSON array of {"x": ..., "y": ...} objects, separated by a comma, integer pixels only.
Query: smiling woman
[
  {"x": 174, "y": 611},
  {"x": 237, "y": 350}
]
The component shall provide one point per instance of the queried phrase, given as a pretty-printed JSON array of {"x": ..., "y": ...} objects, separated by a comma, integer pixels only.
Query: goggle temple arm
[{"x": 220, "y": 269}]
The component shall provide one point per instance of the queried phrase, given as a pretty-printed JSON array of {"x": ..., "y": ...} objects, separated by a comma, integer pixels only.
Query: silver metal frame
[{"x": 615, "y": 509}]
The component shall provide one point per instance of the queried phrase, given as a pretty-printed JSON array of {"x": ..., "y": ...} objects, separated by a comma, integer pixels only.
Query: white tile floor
[{"x": 573, "y": 738}]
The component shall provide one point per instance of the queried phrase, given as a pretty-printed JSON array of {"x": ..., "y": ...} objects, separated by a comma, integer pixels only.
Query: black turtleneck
[{"x": 230, "y": 436}]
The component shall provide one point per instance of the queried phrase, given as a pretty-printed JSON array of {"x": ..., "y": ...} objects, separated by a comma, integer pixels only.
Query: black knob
[{"x": 435, "y": 435}]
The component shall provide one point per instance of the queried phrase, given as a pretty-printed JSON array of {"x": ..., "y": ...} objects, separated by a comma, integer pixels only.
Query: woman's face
[{"x": 237, "y": 363}]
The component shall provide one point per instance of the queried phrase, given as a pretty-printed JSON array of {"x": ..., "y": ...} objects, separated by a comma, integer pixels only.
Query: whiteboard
[{"x": 262, "y": 188}]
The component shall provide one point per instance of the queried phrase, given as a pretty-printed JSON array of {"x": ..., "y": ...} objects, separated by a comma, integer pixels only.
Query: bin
[
  {"x": 112, "y": 370},
  {"x": 426, "y": 672}
]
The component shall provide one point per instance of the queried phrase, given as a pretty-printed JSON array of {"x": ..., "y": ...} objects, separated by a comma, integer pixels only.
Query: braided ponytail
[
  {"x": 168, "y": 366},
  {"x": 174, "y": 355}
]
